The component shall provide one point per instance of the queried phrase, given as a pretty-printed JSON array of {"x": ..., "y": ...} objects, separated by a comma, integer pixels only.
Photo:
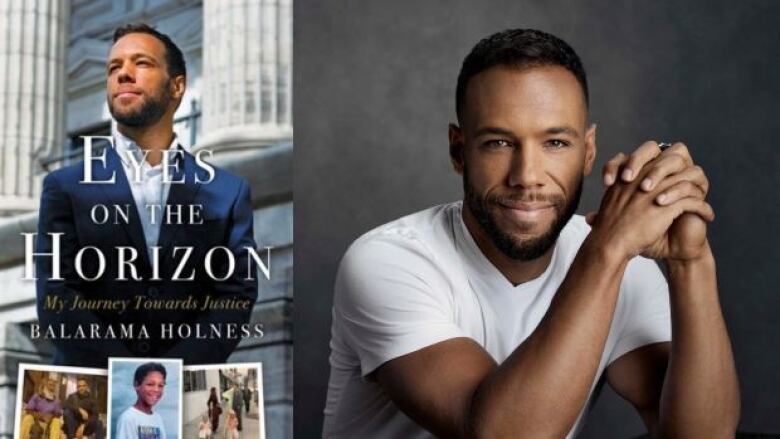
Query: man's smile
[{"x": 528, "y": 211}]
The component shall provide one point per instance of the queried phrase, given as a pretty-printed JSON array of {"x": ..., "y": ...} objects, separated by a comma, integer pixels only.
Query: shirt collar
[
  {"x": 481, "y": 268},
  {"x": 125, "y": 144}
]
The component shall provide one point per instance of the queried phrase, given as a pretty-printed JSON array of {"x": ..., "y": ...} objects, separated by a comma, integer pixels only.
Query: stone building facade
[{"x": 238, "y": 104}]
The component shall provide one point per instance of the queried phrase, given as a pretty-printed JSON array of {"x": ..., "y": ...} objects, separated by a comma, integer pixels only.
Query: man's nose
[
  {"x": 125, "y": 74},
  {"x": 527, "y": 166}
]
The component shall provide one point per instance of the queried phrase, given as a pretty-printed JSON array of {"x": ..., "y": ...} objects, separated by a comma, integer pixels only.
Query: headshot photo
[
  {"x": 55, "y": 402},
  {"x": 541, "y": 219},
  {"x": 145, "y": 398},
  {"x": 224, "y": 401}
]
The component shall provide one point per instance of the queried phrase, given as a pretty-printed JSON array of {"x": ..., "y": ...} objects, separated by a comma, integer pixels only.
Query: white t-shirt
[
  {"x": 135, "y": 424},
  {"x": 422, "y": 279}
]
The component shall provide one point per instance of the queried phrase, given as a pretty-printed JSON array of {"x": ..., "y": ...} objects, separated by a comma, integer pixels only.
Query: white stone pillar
[
  {"x": 33, "y": 38},
  {"x": 247, "y": 73}
]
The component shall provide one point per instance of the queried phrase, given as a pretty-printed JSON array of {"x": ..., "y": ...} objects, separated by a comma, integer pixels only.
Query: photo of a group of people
[
  {"x": 226, "y": 401},
  {"x": 140, "y": 398},
  {"x": 55, "y": 401}
]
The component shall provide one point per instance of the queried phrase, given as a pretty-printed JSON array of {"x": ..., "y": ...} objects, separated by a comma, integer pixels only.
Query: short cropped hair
[
  {"x": 146, "y": 369},
  {"x": 173, "y": 56},
  {"x": 519, "y": 48}
]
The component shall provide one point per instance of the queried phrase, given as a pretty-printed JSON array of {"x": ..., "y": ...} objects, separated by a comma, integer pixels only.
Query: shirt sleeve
[
  {"x": 32, "y": 403},
  {"x": 123, "y": 429},
  {"x": 391, "y": 299},
  {"x": 92, "y": 407},
  {"x": 645, "y": 316},
  {"x": 70, "y": 403}
]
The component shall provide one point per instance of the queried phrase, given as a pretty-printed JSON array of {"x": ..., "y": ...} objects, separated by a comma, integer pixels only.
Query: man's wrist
[
  {"x": 608, "y": 246},
  {"x": 692, "y": 279},
  {"x": 605, "y": 251},
  {"x": 704, "y": 261}
]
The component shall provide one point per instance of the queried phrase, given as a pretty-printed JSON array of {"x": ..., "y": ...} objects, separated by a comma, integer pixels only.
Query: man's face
[
  {"x": 150, "y": 391},
  {"x": 523, "y": 149},
  {"x": 82, "y": 387},
  {"x": 139, "y": 90}
]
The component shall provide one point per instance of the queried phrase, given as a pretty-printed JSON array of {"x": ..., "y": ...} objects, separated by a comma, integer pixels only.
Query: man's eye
[
  {"x": 497, "y": 143},
  {"x": 557, "y": 143}
]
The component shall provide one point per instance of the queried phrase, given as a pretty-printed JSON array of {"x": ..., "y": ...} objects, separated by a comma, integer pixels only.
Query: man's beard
[
  {"x": 511, "y": 247},
  {"x": 150, "y": 111}
]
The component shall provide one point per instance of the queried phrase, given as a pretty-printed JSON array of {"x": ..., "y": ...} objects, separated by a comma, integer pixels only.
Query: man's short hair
[
  {"x": 146, "y": 369},
  {"x": 173, "y": 56},
  {"x": 520, "y": 49}
]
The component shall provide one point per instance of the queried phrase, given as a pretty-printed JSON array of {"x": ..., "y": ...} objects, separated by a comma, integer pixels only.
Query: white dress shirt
[{"x": 149, "y": 191}]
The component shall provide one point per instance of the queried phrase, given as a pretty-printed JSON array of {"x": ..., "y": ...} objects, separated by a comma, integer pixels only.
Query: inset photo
[
  {"x": 53, "y": 402},
  {"x": 224, "y": 401},
  {"x": 145, "y": 398}
]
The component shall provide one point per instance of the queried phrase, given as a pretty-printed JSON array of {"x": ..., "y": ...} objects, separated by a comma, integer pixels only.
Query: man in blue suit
[{"x": 173, "y": 278}]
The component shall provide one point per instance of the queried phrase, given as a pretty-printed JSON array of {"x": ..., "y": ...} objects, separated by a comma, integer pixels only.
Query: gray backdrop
[{"x": 374, "y": 91}]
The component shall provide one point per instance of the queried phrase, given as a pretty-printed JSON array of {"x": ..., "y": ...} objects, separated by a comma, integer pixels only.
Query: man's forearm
[
  {"x": 700, "y": 395},
  {"x": 552, "y": 371}
]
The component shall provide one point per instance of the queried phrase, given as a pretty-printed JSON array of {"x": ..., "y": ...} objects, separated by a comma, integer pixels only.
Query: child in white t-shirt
[{"x": 139, "y": 421}]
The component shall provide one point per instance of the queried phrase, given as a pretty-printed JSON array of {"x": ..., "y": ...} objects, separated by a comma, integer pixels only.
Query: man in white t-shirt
[{"x": 497, "y": 316}]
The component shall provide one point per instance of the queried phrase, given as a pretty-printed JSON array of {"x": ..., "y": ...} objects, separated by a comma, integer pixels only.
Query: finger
[
  {"x": 611, "y": 169},
  {"x": 660, "y": 168},
  {"x": 590, "y": 218},
  {"x": 637, "y": 160},
  {"x": 683, "y": 189},
  {"x": 694, "y": 174},
  {"x": 693, "y": 205},
  {"x": 680, "y": 149}
]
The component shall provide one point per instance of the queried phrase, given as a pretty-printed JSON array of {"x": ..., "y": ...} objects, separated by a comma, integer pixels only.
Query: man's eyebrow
[
  {"x": 133, "y": 57},
  {"x": 493, "y": 130},
  {"x": 563, "y": 130}
]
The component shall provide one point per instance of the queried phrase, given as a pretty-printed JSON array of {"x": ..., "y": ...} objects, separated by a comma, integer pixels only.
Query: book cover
[{"x": 146, "y": 198}]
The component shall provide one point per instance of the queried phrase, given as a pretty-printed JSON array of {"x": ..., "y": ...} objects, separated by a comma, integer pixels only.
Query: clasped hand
[{"x": 654, "y": 205}]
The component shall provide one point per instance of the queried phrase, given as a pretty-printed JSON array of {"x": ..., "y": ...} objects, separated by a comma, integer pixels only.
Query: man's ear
[
  {"x": 179, "y": 86},
  {"x": 590, "y": 149},
  {"x": 456, "y": 148}
]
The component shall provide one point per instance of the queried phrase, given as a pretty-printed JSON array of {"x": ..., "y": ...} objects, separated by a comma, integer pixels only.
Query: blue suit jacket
[{"x": 227, "y": 221}]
